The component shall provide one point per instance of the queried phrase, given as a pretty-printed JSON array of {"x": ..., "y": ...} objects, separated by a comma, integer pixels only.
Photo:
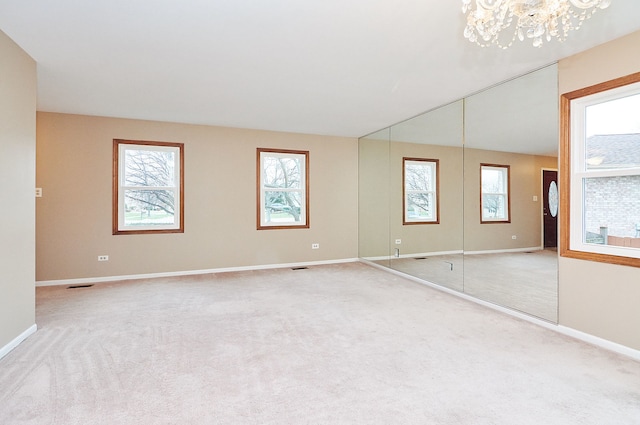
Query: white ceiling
[{"x": 331, "y": 67}]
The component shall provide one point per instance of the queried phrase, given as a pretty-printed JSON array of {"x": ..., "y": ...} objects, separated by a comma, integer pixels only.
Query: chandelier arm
[
  {"x": 535, "y": 19},
  {"x": 489, "y": 4},
  {"x": 587, "y": 4}
]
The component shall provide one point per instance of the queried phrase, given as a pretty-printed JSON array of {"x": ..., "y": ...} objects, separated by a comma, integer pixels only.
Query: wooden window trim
[
  {"x": 116, "y": 187},
  {"x": 259, "y": 225},
  {"x": 565, "y": 172},
  {"x": 437, "y": 191},
  {"x": 508, "y": 219}
]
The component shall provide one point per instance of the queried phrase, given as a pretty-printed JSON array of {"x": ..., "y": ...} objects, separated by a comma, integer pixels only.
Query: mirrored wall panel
[
  {"x": 510, "y": 224},
  {"x": 373, "y": 197},
  {"x": 465, "y": 196},
  {"x": 425, "y": 172}
]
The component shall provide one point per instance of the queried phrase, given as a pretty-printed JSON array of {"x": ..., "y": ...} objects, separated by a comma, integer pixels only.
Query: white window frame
[
  {"x": 120, "y": 187},
  {"x": 505, "y": 193},
  {"x": 432, "y": 166},
  {"x": 580, "y": 172},
  {"x": 263, "y": 221}
]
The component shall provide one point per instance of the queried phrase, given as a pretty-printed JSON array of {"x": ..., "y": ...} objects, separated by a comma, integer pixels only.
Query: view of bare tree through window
[
  {"x": 282, "y": 188},
  {"x": 149, "y": 186},
  {"x": 147, "y": 175},
  {"x": 494, "y": 187},
  {"x": 420, "y": 190},
  {"x": 282, "y": 173}
]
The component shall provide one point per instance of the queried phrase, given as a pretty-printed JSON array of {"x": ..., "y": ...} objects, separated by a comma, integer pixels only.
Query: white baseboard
[
  {"x": 90, "y": 280},
  {"x": 17, "y": 340},
  {"x": 600, "y": 342},
  {"x": 565, "y": 330}
]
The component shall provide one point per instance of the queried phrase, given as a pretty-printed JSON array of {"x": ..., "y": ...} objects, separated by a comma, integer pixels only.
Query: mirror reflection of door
[{"x": 550, "y": 207}]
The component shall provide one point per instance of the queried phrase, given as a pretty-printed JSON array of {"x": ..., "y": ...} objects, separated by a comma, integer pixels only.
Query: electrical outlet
[
  {"x": 315, "y": 246},
  {"x": 398, "y": 241},
  {"x": 38, "y": 192},
  {"x": 103, "y": 258}
]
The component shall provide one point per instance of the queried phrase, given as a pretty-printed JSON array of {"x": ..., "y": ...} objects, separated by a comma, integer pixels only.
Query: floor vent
[
  {"x": 420, "y": 258},
  {"x": 79, "y": 286},
  {"x": 299, "y": 268}
]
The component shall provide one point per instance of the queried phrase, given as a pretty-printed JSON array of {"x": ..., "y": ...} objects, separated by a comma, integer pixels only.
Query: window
[
  {"x": 283, "y": 189},
  {"x": 148, "y": 187},
  {"x": 420, "y": 191},
  {"x": 601, "y": 159},
  {"x": 494, "y": 189}
]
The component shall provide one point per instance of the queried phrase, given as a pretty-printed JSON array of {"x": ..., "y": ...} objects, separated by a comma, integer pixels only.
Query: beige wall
[
  {"x": 17, "y": 185},
  {"x": 526, "y": 214},
  {"x": 74, "y": 158},
  {"x": 596, "y": 298}
]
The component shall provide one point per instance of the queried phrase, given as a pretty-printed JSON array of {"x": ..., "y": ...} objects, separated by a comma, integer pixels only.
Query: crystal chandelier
[{"x": 534, "y": 19}]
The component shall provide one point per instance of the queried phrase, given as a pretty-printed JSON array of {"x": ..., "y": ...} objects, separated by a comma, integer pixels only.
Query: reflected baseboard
[
  {"x": 504, "y": 251},
  {"x": 412, "y": 255},
  {"x": 437, "y": 253}
]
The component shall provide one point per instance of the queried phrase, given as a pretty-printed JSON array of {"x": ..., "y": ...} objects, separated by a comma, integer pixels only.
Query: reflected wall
[
  {"x": 430, "y": 251},
  {"x": 373, "y": 197}
]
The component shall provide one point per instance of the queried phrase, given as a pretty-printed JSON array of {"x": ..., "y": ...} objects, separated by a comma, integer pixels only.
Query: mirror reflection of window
[
  {"x": 420, "y": 198},
  {"x": 494, "y": 187}
]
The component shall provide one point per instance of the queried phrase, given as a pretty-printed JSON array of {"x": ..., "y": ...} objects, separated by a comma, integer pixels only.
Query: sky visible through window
[{"x": 619, "y": 116}]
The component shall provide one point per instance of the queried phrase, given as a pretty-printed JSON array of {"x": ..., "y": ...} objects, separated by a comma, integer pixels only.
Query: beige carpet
[{"x": 336, "y": 344}]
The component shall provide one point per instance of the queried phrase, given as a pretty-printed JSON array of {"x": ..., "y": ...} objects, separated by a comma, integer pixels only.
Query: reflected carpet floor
[
  {"x": 523, "y": 281},
  {"x": 334, "y": 344}
]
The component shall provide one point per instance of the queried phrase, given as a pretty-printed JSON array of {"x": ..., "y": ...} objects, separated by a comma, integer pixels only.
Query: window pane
[
  {"x": 612, "y": 130},
  {"x": 612, "y": 151},
  {"x": 283, "y": 201},
  {"x": 494, "y": 187},
  {"x": 493, "y": 180},
  {"x": 283, "y": 207},
  {"x": 420, "y": 206},
  {"x": 611, "y": 208},
  {"x": 155, "y": 168},
  {"x": 149, "y": 191},
  {"x": 282, "y": 172},
  {"x": 418, "y": 176},
  {"x": 149, "y": 207},
  {"x": 493, "y": 206}
]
